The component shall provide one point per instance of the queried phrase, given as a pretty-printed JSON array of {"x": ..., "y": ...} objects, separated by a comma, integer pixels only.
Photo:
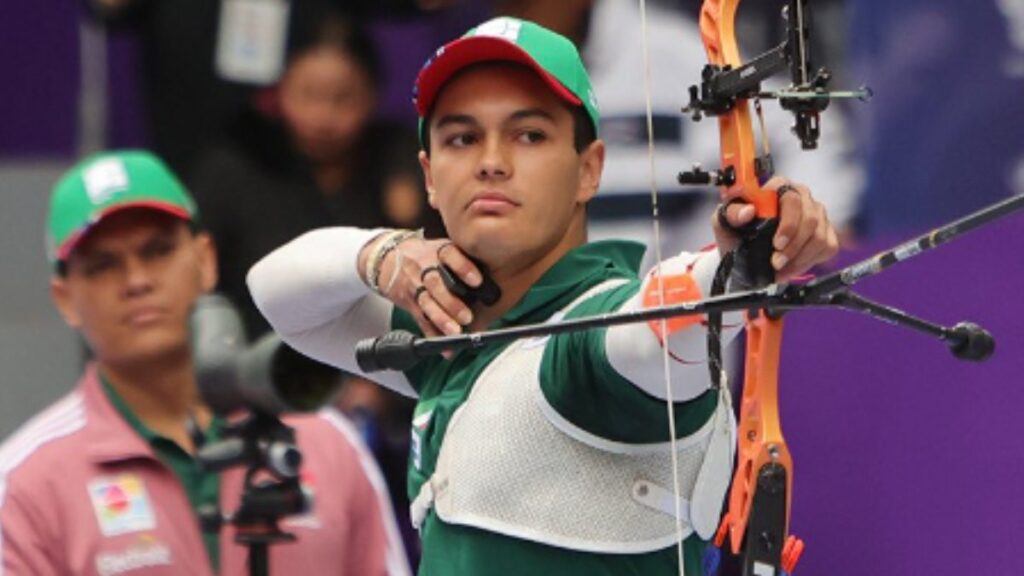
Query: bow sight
[{"x": 807, "y": 96}]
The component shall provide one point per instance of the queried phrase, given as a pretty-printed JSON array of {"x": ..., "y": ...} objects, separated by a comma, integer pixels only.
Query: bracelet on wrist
[
  {"x": 394, "y": 274},
  {"x": 381, "y": 251}
]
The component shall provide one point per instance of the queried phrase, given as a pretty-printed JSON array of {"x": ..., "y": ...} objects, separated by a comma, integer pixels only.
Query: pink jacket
[{"x": 81, "y": 493}]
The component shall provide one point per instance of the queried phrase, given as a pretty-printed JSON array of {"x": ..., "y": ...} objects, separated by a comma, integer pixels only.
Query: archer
[{"x": 547, "y": 455}]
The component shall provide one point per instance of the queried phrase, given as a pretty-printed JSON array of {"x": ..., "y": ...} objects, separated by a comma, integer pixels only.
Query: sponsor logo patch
[
  {"x": 146, "y": 553},
  {"x": 121, "y": 504},
  {"x": 104, "y": 179},
  {"x": 504, "y": 28}
]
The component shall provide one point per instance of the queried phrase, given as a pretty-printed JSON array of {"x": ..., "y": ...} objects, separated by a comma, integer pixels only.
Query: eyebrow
[
  {"x": 449, "y": 119},
  {"x": 89, "y": 251},
  {"x": 532, "y": 113},
  {"x": 466, "y": 119}
]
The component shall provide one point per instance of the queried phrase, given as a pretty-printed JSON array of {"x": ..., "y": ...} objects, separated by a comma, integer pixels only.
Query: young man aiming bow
[{"x": 546, "y": 455}]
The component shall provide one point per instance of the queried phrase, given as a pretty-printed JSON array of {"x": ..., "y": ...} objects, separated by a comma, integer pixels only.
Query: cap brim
[
  {"x": 64, "y": 250},
  {"x": 471, "y": 50}
]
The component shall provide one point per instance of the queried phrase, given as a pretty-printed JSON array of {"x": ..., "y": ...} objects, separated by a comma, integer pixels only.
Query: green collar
[
  {"x": 588, "y": 264},
  {"x": 126, "y": 412},
  {"x": 137, "y": 425}
]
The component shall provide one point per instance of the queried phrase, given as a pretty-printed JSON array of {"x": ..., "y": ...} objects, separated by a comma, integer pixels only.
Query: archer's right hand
[{"x": 410, "y": 276}]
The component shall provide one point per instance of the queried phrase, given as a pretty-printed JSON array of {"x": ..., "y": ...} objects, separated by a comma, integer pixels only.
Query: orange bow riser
[
  {"x": 763, "y": 479},
  {"x": 757, "y": 519}
]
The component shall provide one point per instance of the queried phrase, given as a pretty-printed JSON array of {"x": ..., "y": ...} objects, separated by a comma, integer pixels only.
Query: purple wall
[
  {"x": 906, "y": 460},
  {"x": 39, "y": 90},
  {"x": 944, "y": 133},
  {"x": 39, "y": 57}
]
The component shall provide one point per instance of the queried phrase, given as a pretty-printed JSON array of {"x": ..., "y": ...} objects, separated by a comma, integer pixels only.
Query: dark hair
[
  {"x": 583, "y": 133},
  {"x": 318, "y": 25}
]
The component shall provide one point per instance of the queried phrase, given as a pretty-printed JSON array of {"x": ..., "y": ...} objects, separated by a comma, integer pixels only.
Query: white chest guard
[{"x": 511, "y": 464}]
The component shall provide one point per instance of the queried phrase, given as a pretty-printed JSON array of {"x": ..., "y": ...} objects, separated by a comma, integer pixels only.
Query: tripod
[{"x": 266, "y": 446}]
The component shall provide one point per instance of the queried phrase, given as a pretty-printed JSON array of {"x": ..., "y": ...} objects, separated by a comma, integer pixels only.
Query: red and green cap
[
  {"x": 552, "y": 56},
  {"x": 106, "y": 183}
]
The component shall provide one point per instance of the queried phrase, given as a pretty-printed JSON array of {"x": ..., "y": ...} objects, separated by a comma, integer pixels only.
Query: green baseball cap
[
  {"x": 552, "y": 56},
  {"x": 106, "y": 183}
]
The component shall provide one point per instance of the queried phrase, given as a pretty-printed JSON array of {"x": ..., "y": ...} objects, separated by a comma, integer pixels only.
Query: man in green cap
[
  {"x": 547, "y": 455},
  {"x": 106, "y": 480}
]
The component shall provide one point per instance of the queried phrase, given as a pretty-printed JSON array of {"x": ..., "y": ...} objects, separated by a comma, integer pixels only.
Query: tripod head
[{"x": 272, "y": 491}]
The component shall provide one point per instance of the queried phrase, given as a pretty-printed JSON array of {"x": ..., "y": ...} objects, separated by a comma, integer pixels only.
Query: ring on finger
[
  {"x": 441, "y": 248},
  {"x": 723, "y": 221},
  {"x": 787, "y": 187},
  {"x": 419, "y": 291},
  {"x": 428, "y": 270}
]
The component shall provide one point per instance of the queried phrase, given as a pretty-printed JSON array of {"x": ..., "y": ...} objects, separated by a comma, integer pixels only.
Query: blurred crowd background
[{"x": 285, "y": 115}]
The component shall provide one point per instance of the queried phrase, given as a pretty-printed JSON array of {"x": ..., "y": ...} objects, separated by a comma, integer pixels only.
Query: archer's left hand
[{"x": 805, "y": 237}]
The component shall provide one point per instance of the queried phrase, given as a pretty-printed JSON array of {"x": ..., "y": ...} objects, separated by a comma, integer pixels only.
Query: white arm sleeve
[
  {"x": 311, "y": 293},
  {"x": 635, "y": 352}
]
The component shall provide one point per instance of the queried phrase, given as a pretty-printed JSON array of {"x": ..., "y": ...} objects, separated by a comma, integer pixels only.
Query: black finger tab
[{"x": 488, "y": 293}]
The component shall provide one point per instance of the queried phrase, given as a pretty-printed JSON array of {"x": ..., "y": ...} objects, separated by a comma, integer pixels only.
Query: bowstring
[{"x": 669, "y": 402}]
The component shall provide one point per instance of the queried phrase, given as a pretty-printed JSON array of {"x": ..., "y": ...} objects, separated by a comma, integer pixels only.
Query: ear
[
  {"x": 428, "y": 181},
  {"x": 206, "y": 253},
  {"x": 591, "y": 167},
  {"x": 60, "y": 293}
]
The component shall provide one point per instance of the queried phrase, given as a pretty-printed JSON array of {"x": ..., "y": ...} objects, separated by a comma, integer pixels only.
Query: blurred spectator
[
  {"x": 313, "y": 155},
  {"x": 202, "y": 60},
  {"x": 108, "y": 479},
  {"x": 185, "y": 101},
  {"x": 319, "y": 159}
]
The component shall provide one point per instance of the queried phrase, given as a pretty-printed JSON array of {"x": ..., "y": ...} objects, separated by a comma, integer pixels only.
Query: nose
[
  {"x": 322, "y": 115},
  {"x": 138, "y": 277},
  {"x": 494, "y": 161}
]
